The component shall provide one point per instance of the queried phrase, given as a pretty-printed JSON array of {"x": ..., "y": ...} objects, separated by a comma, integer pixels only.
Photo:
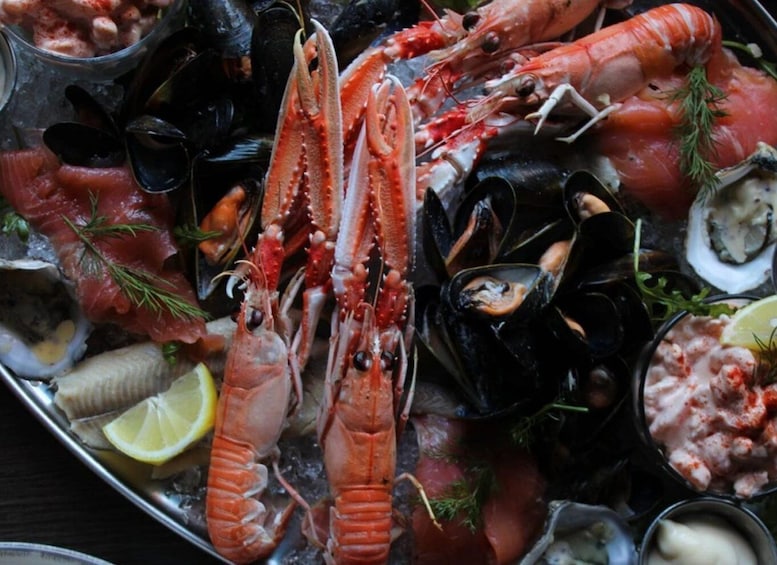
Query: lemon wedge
[
  {"x": 752, "y": 323},
  {"x": 162, "y": 426}
]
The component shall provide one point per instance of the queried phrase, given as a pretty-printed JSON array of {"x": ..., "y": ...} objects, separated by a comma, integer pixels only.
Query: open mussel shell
[
  {"x": 157, "y": 154},
  {"x": 89, "y": 111},
  {"x": 83, "y": 145},
  {"x": 272, "y": 59},
  {"x": 589, "y": 323},
  {"x": 583, "y": 533},
  {"x": 226, "y": 24},
  {"x": 226, "y": 195},
  {"x": 477, "y": 236},
  {"x": 498, "y": 293},
  {"x": 93, "y": 140}
]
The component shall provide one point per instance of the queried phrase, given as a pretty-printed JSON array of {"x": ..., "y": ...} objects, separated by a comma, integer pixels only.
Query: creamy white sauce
[{"x": 700, "y": 540}]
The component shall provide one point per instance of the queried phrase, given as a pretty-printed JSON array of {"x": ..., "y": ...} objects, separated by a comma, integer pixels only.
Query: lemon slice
[
  {"x": 752, "y": 323},
  {"x": 162, "y": 426}
]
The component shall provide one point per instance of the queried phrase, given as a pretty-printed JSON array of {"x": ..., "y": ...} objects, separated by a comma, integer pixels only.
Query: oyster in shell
[
  {"x": 42, "y": 329},
  {"x": 582, "y": 533},
  {"x": 732, "y": 233}
]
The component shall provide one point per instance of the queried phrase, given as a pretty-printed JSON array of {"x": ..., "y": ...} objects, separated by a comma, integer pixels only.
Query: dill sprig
[
  {"x": 754, "y": 51},
  {"x": 100, "y": 226},
  {"x": 143, "y": 289},
  {"x": 466, "y": 497},
  {"x": 11, "y": 222},
  {"x": 766, "y": 368},
  {"x": 523, "y": 432},
  {"x": 189, "y": 235},
  {"x": 663, "y": 303},
  {"x": 699, "y": 108}
]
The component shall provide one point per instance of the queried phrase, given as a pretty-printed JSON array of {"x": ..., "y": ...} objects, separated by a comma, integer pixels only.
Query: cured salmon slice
[{"x": 49, "y": 195}]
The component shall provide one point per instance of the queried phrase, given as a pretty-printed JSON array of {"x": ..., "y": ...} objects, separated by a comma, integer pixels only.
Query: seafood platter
[{"x": 483, "y": 274}]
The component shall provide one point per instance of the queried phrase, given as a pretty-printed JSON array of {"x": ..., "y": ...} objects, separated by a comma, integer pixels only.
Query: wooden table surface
[{"x": 48, "y": 496}]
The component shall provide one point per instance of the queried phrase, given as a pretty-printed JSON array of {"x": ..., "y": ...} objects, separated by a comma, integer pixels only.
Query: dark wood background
[{"x": 48, "y": 496}]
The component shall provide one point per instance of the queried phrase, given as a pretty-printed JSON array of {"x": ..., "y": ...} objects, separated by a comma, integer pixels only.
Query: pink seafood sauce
[
  {"x": 83, "y": 28},
  {"x": 716, "y": 425}
]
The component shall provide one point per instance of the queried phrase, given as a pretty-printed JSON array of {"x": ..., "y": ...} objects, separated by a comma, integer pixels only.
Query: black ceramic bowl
[
  {"x": 741, "y": 520},
  {"x": 655, "y": 451}
]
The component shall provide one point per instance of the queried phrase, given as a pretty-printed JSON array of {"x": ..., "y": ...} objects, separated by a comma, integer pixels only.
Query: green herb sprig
[
  {"x": 11, "y": 222},
  {"x": 766, "y": 368},
  {"x": 189, "y": 235},
  {"x": 524, "y": 431},
  {"x": 754, "y": 51},
  {"x": 699, "y": 108},
  {"x": 467, "y": 497},
  {"x": 663, "y": 303},
  {"x": 142, "y": 288}
]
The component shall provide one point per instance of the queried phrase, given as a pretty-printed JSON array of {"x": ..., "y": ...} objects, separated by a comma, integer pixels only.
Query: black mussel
[
  {"x": 91, "y": 141},
  {"x": 477, "y": 235},
  {"x": 497, "y": 293},
  {"x": 84, "y": 146},
  {"x": 360, "y": 23},
  {"x": 173, "y": 53},
  {"x": 585, "y": 196},
  {"x": 430, "y": 330},
  {"x": 524, "y": 168},
  {"x": 226, "y": 194},
  {"x": 226, "y": 24},
  {"x": 190, "y": 87},
  {"x": 272, "y": 59},
  {"x": 437, "y": 233},
  {"x": 89, "y": 111},
  {"x": 157, "y": 154}
]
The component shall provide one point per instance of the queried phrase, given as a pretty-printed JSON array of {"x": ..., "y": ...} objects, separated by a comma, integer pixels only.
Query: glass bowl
[
  {"x": 102, "y": 67},
  {"x": 702, "y": 447},
  {"x": 7, "y": 72},
  {"x": 725, "y": 514}
]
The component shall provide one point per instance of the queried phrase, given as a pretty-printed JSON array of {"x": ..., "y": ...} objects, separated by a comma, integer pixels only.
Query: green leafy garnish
[
  {"x": 699, "y": 108},
  {"x": 467, "y": 496},
  {"x": 170, "y": 351},
  {"x": 143, "y": 289},
  {"x": 766, "y": 369},
  {"x": 663, "y": 303},
  {"x": 13, "y": 223},
  {"x": 189, "y": 235},
  {"x": 524, "y": 431},
  {"x": 755, "y": 52}
]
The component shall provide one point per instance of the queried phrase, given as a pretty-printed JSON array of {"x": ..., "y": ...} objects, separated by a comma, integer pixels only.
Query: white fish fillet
[{"x": 115, "y": 380}]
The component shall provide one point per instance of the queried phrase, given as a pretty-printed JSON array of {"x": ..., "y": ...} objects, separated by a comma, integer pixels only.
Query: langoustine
[{"x": 262, "y": 376}]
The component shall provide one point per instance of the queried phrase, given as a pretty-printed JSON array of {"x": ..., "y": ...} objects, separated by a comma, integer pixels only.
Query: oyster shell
[
  {"x": 42, "y": 329},
  {"x": 581, "y": 533},
  {"x": 731, "y": 234}
]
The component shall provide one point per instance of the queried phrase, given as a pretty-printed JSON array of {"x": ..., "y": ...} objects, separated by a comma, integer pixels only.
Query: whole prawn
[
  {"x": 264, "y": 364},
  {"x": 607, "y": 66},
  {"x": 364, "y": 408},
  {"x": 460, "y": 46}
]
